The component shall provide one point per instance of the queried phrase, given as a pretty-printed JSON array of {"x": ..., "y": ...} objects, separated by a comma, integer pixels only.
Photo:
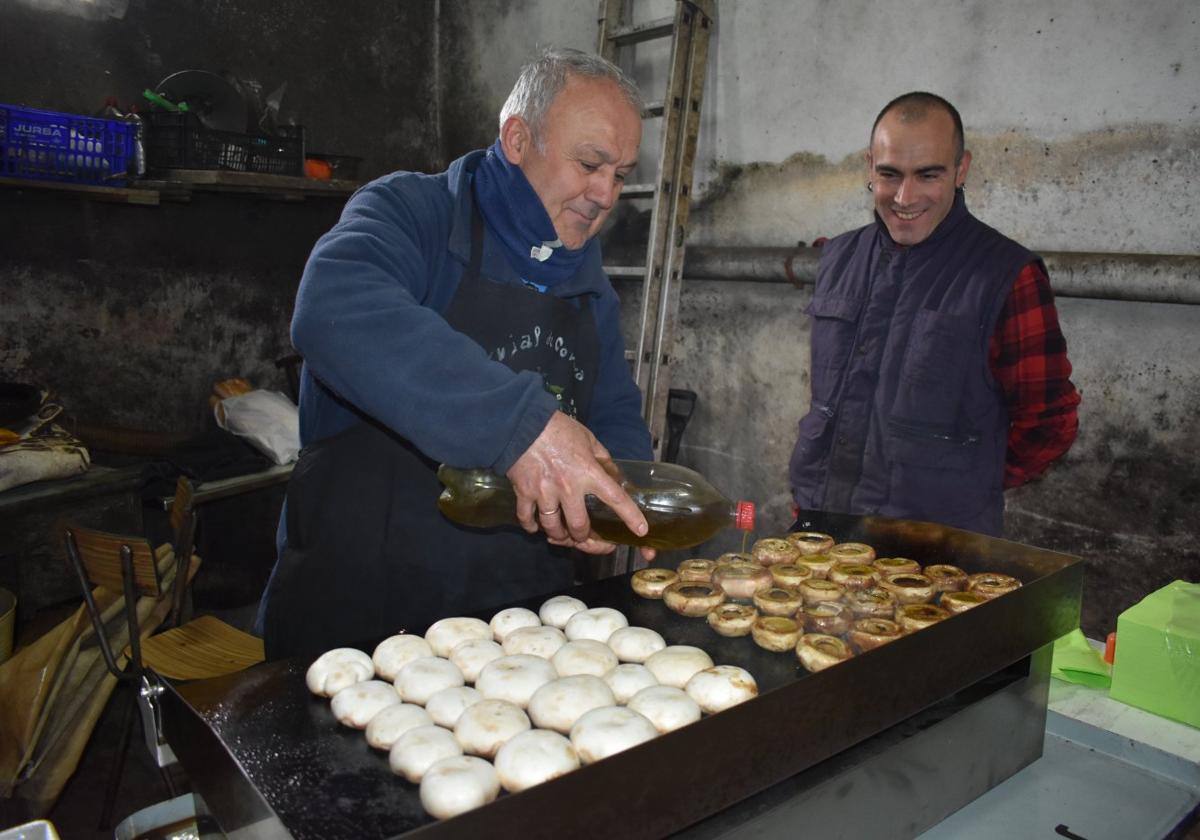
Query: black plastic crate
[{"x": 181, "y": 141}]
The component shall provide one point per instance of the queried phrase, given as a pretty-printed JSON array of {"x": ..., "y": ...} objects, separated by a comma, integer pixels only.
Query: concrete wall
[{"x": 1084, "y": 120}]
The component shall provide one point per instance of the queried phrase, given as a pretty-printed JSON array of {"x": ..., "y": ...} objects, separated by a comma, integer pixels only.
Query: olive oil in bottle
[{"x": 681, "y": 507}]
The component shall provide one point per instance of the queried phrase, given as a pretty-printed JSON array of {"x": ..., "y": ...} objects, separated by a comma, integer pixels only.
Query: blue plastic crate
[{"x": 51, "y": 146}]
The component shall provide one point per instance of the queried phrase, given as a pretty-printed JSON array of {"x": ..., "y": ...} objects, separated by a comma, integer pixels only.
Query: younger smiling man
[{"x": 939, "y": 373}]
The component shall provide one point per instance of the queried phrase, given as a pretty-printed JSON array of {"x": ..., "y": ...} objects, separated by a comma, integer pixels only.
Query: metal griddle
[{"x": 269, "y": 759}]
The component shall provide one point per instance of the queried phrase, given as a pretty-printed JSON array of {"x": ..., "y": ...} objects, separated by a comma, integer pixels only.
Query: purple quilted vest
[{"x": 906, "y": 420}]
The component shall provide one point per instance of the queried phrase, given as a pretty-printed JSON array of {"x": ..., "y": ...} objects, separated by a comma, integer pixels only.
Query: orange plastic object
[
  {"x": 317, "y": 169},
  {"x": 1110, "y": 648}
]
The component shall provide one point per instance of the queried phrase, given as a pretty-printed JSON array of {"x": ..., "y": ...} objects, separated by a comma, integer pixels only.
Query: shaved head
[{"x": 916, "y": 107}]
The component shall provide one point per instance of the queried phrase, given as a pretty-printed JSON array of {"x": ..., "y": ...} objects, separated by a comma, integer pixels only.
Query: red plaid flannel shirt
[{"x": 1029, "y": 359}]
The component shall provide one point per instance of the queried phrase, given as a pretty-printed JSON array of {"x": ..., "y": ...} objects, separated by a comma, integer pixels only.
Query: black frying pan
[{"x": 18, "y": 402}]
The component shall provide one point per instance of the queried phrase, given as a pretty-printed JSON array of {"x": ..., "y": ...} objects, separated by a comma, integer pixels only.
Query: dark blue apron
[{"x": 368, "y": 553}]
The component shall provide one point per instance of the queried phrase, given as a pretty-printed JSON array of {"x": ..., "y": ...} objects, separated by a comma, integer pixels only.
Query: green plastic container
[{"x": 1157, "y": 664}]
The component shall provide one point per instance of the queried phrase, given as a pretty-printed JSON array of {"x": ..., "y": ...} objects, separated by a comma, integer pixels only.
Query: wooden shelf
[{"x": 183, "y": 182}]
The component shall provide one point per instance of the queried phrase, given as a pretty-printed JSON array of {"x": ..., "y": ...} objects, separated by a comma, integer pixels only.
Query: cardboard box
[{"x": 1157, "y": 665}]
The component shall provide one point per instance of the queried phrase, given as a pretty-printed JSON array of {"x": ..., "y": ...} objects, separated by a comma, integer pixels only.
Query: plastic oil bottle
[{"x": 681, "y": 507}]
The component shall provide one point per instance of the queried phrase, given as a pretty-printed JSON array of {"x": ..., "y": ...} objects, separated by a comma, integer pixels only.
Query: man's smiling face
[{"x": 914, "y": 173}]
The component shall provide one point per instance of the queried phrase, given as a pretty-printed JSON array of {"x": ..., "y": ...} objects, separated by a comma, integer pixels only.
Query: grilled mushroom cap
[
  {"x": 991, "y": 584},
  {"x": 914, "y": 617},
  {"x": 776, "y": 633},
  {"x": 875, "y": 602},
  {"x": 817, "y": 651},
  {"x": 697, "y": 569},
  {"x": 816, "y": 590},
  {"x": 732, "y": 619},
  {"x": 692, "y": 598},
  {"x": 650, "y": 583},
  {"x": 854, "y": 575},
  {"x": 772, "y": 550},
  {"x": 946, "y": 578},
  {"x": 741, "y": 579},
  {"x": 811, "y": 542},
  {"x": 778, "y": 600},
  {"x": 818, "y": 565},
  {"x": 832, "y": 618},
  {"x": 852, "y": 552},
  {"x": 458, "y": 784},
  {"x": 869, "y": 633},
  {"x": 447, "y": 706},
  {"x": 956, "y": 602},
  {"x": 896, "y": 565},
  {"x": 790, "y": 574},
  {"x": 909, "y": 588}
]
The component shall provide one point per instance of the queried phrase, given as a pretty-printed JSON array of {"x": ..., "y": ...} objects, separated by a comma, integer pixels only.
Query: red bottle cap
[
  {"x": 744, "y": 518},
  {"x": 1110, "y": 648}
]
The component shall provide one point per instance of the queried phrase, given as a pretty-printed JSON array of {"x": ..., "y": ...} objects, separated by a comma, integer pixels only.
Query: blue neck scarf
[{"x": 515, "y": 215}]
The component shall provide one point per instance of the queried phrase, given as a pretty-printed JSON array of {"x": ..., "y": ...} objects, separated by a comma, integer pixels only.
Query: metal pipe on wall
[{"x": 1151, "y": 278}]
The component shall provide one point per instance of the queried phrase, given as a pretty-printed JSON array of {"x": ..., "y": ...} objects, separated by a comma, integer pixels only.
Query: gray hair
[{"x": 545, "y": 77}]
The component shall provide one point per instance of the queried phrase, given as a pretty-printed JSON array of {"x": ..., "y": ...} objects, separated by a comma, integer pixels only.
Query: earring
[{"x": 870, "y": 187}]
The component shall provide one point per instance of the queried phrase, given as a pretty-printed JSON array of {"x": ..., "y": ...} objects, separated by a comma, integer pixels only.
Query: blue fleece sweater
[{"x": 368, "y": 322}]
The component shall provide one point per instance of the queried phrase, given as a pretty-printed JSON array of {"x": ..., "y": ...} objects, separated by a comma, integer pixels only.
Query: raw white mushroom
[
  {"x": 390, "y": 723},
  {"x": 513, "y": 618},
  {"x": 533, "y": 757},
  {"x": 676, "y": 664},
  {"x": 668, "y": 708},
  {"x": 558, "y": 705},
  {"x": 419, "y": 748},
  {"x": 536, "y": 641},
  {"x": 515, "y": 678},
  {"x": 627, "y": 679},
  {"x": 635, "y": 644},
  {"x": 604, "y": 732},
  {"x": 455, "y": 785},
  {"x": 470, "y": 656},
  {"x": 356, "y": 704},
  {"x": 485, "y": 726},
  {"x": 394, "y": 652},
  {"x": 597, "y": 624},
  {"x": 447, "y": 705},
  {"x": 720, "y": 687},
  {"x": 584, "y": 656},
  {"x": 443, "y": 636},
  {"x": 422, "y": 678},
  {"x": 335, "y": 669},
  {"x": 557, "y": 611}
]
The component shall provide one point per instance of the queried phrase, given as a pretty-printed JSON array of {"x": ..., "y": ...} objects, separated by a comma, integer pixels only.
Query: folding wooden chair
[{"x": 198, "y": 649}]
